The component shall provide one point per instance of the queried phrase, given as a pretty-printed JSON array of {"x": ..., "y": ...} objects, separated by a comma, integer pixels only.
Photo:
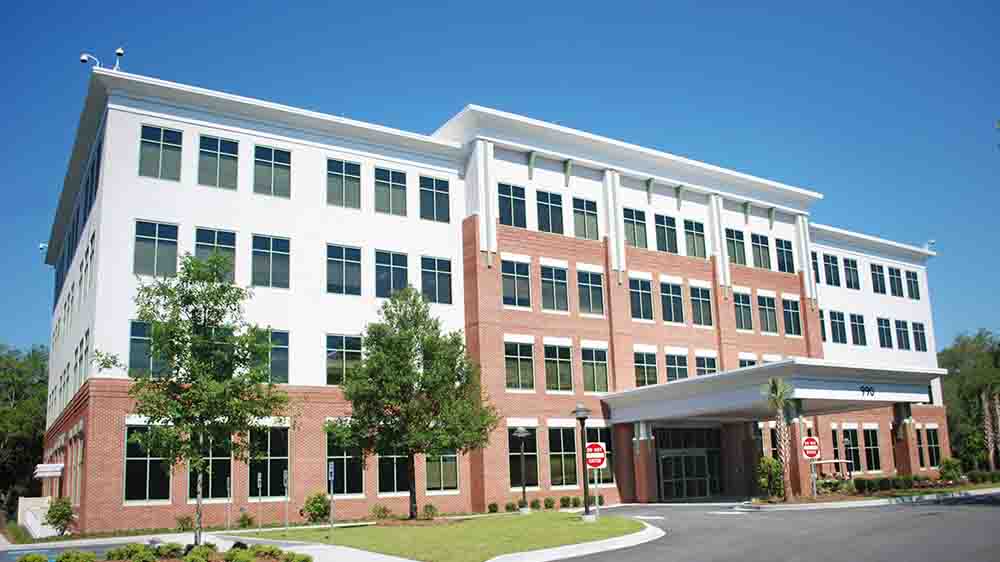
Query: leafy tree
[
  {"x": 972, "y": 394},
  {"x": 213, "y": 384},
  {"x": 60, "y": 515},
  {"x": 779, "y": 398},
  {"x": 415, "y": 390},
  {"x": 23, "y": 396}
]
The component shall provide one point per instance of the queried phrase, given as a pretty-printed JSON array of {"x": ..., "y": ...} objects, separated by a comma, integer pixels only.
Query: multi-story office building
[{"x": 658, "y": 291}]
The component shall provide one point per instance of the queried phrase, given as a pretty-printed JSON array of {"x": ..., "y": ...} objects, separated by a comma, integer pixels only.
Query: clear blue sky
[{"x": 889, "y": 112}]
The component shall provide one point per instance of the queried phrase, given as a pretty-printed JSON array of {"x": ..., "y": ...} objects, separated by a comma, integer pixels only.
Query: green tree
[
  {"x": 972, "y": 395},
  {"x": 213, "y": 385},
  {"x": 415, "y": 391},
  {"x": 60, "y": 515},
  {"x": 779, "y": 398},
  {"x": 23, "y": 396}
]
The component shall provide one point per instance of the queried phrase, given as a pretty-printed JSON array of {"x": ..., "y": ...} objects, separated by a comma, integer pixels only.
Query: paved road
[{"x": 965, "y": 530}]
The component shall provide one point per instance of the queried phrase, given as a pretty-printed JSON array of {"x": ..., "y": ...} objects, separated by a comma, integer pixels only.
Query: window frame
[
  {"x": 551, "y": 208},
  {"x": 852, "y": 276},
  {"x": 635, "y": 227},
  {"x": 831, "y": 270},
  {"x": 272, "y": 346},
  {"x": 858, "y": 334},
  {"x": 521, "y": 356},
  {"x": 896, "y": 282},
  {"x": 744, "y": 311},
  {"x": 595, "y": 359},
  {"x": 563, "y": 449},
  {"x": 838, "y": 327},
  {"x": 272, "y": 164},
  {"x": 672, "y": 302},
  {"x": 347, "y": 170},
  {"x": 160, "y": 144},
  {"x": 767, "y": 311},
  {"x": 586, "y": 213},
  {"x": 342, "y": 457},
  {"x": 705, "y": 365},
  {"x": 216, "y": 246},
  {"x": 919, "y": 336},
  {"x": 559, "y": 358},
  {"x": 873, "y": 459},
  {"x": 786, "y": 255},
  {"x": 912, "y": 285},
  {"x": 694, "y": 239},
  {"x": 878, "y": 279},
  {"x": 210, "y": 459},
  {"x": 761, "y": 246},
  {"x": 885, "y": 336},
  {"x": 677, "y": 366},
  {"x": 518, "y": 274},
  {"x": 436, "y": 188},
  {"x": 736, "y": 246},
  {"x": 606, "y": 475},
  {"x": 269, "y": 458},
  {"x": 555, "y": 283},
  {"x": 399, "y": 486},
  {"x": 641, "y": 295},
  {"x": 530, "y": 458},
  {"x": 218, "y": 154},
  {"x": 586, "y": 290},
  {"x": 157, "y": 239},
  {"x": 701, "y": 306},
  {"x": 440, "y": 272},
  {"x": 343, "y": 263},
  {"x": 270, "y": 253},
  {"x": 439, "y": 460},
  {"x": 347, "y": 351},
  {"x": 790, "y": 310},
  {"x": 644, "y": 364},
  {"x": 392, "y": 268},
  {"x": 391, "y": 185},
  {"x": 148, "y": 458},
  {"x": 666, "y": 233},
  {"x": 509, "y": 201},
  {"x": 902, "y": 335}
]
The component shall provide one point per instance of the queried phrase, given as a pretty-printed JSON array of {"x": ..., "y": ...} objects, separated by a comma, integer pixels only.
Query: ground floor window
[
  {"x": 852, "y": 450},
  {"x": 215, "y": 476},
  {"x": 530, "y": 475},
  {"x": 933, "y": 448},
  {"x": 348, "y": 470},
  {"x": 147, "y": 477},
  {"x": 442, "y": 472},
  {"x": 269, "y": 464},
  {"x": 872, "y": 458},
  {"x": 920, "y": 449},
  {"x": 393, "y": 472},
  {"x": 775, "y": 449},
  {"x": 602, "y": 435},
  {"x": 562, "y": 456},
  {"x": 836, "y": 445}
]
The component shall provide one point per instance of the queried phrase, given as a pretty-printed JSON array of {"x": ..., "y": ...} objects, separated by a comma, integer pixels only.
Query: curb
[
  {"x": 926, "y": 498},
  {"x": 650, "y": 533}
]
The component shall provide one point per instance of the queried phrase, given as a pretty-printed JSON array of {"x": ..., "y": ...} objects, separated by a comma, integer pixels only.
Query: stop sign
[
  {"x": 595, "y": 455},
  {"x": 810, "y": 447}
]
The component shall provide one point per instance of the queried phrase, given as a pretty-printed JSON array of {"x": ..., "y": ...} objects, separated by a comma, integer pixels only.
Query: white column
[
  {"x": 613, "y": 220},
  {"x": 718, "y": 240},
  {"x": 804, "y": 258}
]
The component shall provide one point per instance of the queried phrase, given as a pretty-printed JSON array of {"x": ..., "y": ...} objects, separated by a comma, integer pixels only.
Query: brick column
[
  {"x": 904, "y": 444},
  {"x": 801, "y": 478},
  {"x": 624, "y": 461},
  {"x": 644, "y": 459}
]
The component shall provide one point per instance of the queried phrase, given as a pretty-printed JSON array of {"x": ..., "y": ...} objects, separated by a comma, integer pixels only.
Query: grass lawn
[
  {"x": 470, "y": 540},
  {"x": 884, "y": 494}
]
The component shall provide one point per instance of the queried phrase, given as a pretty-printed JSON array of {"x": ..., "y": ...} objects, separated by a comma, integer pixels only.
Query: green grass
[
  {"x": 927, "y": 491},
  {"x": 470, "y": 540}
]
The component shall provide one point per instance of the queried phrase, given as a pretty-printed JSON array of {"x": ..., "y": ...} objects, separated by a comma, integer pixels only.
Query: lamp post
[
  {"x": 522, "y": 434},
  {"x": 581, "y": 413}
]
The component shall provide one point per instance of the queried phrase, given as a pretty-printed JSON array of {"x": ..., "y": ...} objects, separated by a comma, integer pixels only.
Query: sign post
[
  {"x": 331, "y": 472},
  {"x": 229, "y": 504},
  {"x": 288, "y": 496},
  {"x": 596, "y": 457},
  {"x": 811, "y": 451},
  {"x": 260, "y": 488}
]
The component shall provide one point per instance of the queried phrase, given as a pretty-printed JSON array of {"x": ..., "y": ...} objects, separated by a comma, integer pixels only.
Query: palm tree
[
  {"x": 989, "y": 436},
  {"x": 779, "y": 397}
]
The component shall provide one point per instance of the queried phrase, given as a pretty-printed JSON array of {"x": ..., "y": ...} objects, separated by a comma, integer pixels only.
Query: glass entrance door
[{"x": 685, "y": 474}]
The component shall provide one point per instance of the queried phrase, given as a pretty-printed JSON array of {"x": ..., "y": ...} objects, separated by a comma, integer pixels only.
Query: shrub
[
  {"x": 192, "y": 557},
  {"x": 522, "y": 503},
  {"x": 132, "y": 551},
  {"x": 592, "y": 500},
  {"x": 550, "y": 503},
  {"x": 317, "y": 508},
  {"x": 239, "y": 555},
  {"x": 245, "y": 520},
  {"x": 430, "y": 511},
  {"x": 847, "y": 487},
  {"x": 576, "y": 501},
  {"x": 950, "y": 469},
  {"x": 296, "y": 557},
  {"x": 33, "y": 558},
  {"x": 904, "y": 482},
  {"x": 976, "y": 476},
  {"x": 536, "y": 504},
  {"x": 861, "y": 486},
  {"x": 184, "y": 523},
  {"x": 60, "y": 515},
  {"x": 564, "y": 502},
  {"x": 380, "y": 511},
  {"x": 170, "y": 550},
  {"x": 493, "y": 508},
  {"x": 769, "y": 477},
  {"x": 266, "y": 551},
  {"x": 207, "y": 551},
  {"x": 239, "y": 545},
  {"x": 995, "y": 476},
  {"x": 76, "y": 556},
  {"x": 600, "y": 499},
  {"x": 509, "y": 507}
]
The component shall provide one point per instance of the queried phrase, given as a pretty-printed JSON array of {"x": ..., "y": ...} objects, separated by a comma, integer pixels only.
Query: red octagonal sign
[
  {"x": 596, "y": 456},
  {"x": 810, "y": 447}
]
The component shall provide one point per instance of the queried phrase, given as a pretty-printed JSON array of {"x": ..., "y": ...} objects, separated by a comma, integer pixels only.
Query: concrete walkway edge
[
  {"x": 650, "y": 533},
  {"x": 926, "y": 498}
]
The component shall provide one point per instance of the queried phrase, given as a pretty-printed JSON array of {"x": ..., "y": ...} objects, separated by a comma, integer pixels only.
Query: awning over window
[
  {"x": 823, "y": 387},
  {"x": 48, "y": 470}
]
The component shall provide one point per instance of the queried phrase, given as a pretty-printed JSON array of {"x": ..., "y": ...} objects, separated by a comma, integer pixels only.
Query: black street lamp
[
  {"x": 521, "y": 435},
  {"x": 581, "y": 413}
]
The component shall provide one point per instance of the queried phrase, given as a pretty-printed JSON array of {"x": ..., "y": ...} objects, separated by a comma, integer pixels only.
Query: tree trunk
[
  {"x": 784, "y": 452},
  {"x": 996, "y": 423},
  {"x": 197, "y": 512},
  {"x": 988, "y": 432},
  {"x": 412, "y": 470}
]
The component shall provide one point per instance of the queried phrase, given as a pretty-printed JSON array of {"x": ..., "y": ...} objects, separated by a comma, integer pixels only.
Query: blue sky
[{"x": 889, "y": 111}]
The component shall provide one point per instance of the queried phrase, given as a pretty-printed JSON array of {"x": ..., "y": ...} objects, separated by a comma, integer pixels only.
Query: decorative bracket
[
  {"x": 746, "y": 212},
  {"x": 649, "y": 190},
  {"x": 770, "y": 216},
  {"x": 568, "y": 170},
  {"x": 679, "y": 195},
  {"x": 531, "y": 164}
]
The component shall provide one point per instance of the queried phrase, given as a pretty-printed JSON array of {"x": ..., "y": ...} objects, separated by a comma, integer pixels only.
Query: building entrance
[{"x": 689, "y": 463}]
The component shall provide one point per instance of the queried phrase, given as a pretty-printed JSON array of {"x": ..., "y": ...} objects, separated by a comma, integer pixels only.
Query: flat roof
[{"x": 872, "y": 241}]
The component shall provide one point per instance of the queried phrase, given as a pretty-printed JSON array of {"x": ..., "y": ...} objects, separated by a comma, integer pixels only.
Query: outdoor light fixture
[
  {"x": 581, "y": 413},
  {"x": 522, "y": 434}
]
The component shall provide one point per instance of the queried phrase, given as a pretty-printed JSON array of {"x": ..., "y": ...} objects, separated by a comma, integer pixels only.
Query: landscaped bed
[
  {"x": 876, "y": 493},
  {"x": 174, "y": 552},
  {"x": 467, "y": 540}
]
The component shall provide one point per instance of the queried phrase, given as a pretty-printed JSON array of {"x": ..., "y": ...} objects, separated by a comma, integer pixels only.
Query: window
[
  {"x": 217, "y": 162},
  {"x": 852, "y": 450},
  {"x": 815, "y": 264},
  {"x": 878, "y": 279},
  {"x": 562, "y": 456},
  {"x": 832, "y": 270},
  {"x": 393, "y": 473},
  {"x": 902, "y": 335},
  {"x": 518, "y": 365},
  {"x": 822, "y": 326},
  {"x": 694, "y": 237},
  {"x": 744, "y": 314},
  {"x": 434, "y": 202},
  {"x": 529, "y": 457},
  {"x": 920, "y": 448},
  {"x": 775, "y": 453},
  {"x": 645, "y": 368},
  {"x": 919, "y": 337},
  {"x": 641, "y": 298},
  {"x": 516, "y": 286},
  {"x": 343, "y": 355},
  {"x": 895, "y": 282},
  {"x": 666, "y": 233},
  {"x": 595, "y": 370},
  {"x": 208, "y": 242},
  {"x": 747, "y": 363},
  {"x": 269, "y": 446},
  {"x": 835, "y": 444},
  {"x": 348, "y": 468},
  {"x": 701, "y": 306},
  {"x": 215, "y": 480},
  {"x": 872, "y": 459},
  {"x": 591, "y": 289},
  {"x": 585, "y": 218},
  {"x": 786, "y": 259},
  {"x": 858, "y": 336},
  {"x": 147, "y": 477},
  {"x": 390, "y": 192},
  {"x": 550, "y": 213},
  {"x": 155, "y": 249},
  {"x": 606, "y": 475},
  {"x": 140, "y": 352},
  {"x": 635, "y": 228},
  {"x": 343, "y": 184},
  {"x": 768, "y": 314},
  {"x": 791, "y": 316},
  {"x": 271, "y": 261},
  {"x": 558, "y": 371},
  {"x": 279, "y": 357},
  {"x": 554, "y": 289},
  {"x": 912, "y": 285},
  {"x": 343, "y": 270},
  {"x": 838, "y": 329},
  {"x": 272, "y": 171},
  {"x": 705, "y": 365},
  {"x": 761, "y": 251},
  {"x": 391, "y": 273},
  {"x": 933, "y": 448},
  {"x": 852, "y": 278},
  {"x": 512, "y": 205},
  {"x": 435, "y": 280},
  {"x": 677, "y": 367},
  {"x": 160, "y": 153},
  {"x": 442, "y": 472},
  {"x": 672, "y": 303},
  {"x": 884, "y": 333},
  {"x": 736, "y": 247}
]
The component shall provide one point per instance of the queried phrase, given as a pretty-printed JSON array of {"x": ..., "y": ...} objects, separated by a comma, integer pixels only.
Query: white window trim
[
  {"x": 589, "y": 268},
  {"x": 519, "y": 390},
  {"x": 930, "y": 426},
  {"x": 671, "y": 279},
  {"x": 643, "y": 348},
  {"x": 667, "y": 350},
  {"x": 522, "y": 422},
  {"x": 565, "y": 487},
  {"x": 709, "y": 353},
  {"x": 560, "y": 392},
  {"x": 640, "y": 275},
  {"x": 644, "y": 320},
  {"x": 518, "y": 338},
  {"x": 742, "y": 290},
  {"x": 552, "y": 262},
  {"x": 521, "y": 258},
  {"x": 791, "y": 296},
  {"x": 677, "y": 324},
  {"x": 849, "y": 425},
  {"x": 561, "y": 422},
  {"x": 592, "y": 316},
  {"x": 442, "y": 492},
  {"x": 394, "y": 495},
  {"x": 529, "y": 488},
  {"x": 594, "y": 344},
  {"x": 869, "y": 425},
  {"x": 519, "y": 308},
  {"x": 767, "y": 293},
  {"x": 135, "y": 503},
  {"x": 596, "y": 422},
  {"x": 699, "y": 283},
  {"x": 746, "y": 356},
  {"x": 556, "y": 312},
  {"x": 770, "y": 358},
  {"x": 557, "y": 341}
]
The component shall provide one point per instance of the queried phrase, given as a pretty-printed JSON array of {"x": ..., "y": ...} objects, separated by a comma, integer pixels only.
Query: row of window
[
  {"x": 671, "y": 300},
  {"x": 515, "y": 280},
  {"x": 767, "y": 314},
  {"x": 852, "y": 276},
  {"x": 156, "y": 254},
  {"x": 838, "y": 331},
  {"x": 218, "y": 166},
  {"x": 563, "y": 462}
]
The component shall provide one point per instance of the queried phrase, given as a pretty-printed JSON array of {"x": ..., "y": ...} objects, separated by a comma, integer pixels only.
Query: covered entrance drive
[{"x": 698, "y": 437}]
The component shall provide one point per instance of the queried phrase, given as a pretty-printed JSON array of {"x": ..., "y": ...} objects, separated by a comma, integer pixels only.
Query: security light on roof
[{"x": 87, "y": 57}]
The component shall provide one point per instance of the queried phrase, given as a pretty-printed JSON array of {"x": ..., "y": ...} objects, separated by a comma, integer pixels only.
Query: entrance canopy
[{"x": 824, "y": 387}]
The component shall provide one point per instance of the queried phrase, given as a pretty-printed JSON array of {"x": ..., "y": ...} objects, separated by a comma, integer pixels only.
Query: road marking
[
  {"x": 649, "y": 517},
  {"x": 726, "y": 512}
]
